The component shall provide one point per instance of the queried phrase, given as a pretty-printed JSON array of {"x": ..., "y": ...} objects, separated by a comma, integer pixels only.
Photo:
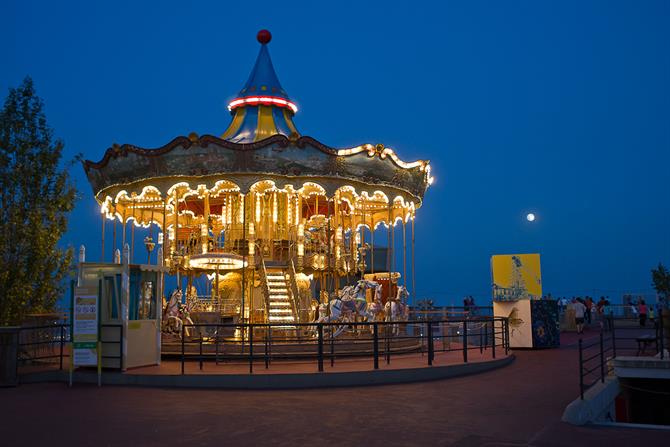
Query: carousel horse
[
  {"x": 176, "y": 314},
  {"x": 396, "y": 309},
  {"x": 350, "y": 303}
]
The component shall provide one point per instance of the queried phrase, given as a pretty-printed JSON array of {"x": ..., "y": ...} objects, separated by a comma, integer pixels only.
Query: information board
[{"x": 85, "y": 327}]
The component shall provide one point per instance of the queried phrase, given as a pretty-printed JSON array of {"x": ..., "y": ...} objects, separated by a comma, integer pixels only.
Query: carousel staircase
[{"x": 280, "y": 306}]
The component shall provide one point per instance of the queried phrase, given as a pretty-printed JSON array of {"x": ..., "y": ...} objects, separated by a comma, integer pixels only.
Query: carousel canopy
[{"x": 260, "y": 149}]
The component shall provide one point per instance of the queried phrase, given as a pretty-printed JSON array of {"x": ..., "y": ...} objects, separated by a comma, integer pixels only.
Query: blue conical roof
[
  {"x": 262, "y": 108},
  {"x": 263, "y": 79}
]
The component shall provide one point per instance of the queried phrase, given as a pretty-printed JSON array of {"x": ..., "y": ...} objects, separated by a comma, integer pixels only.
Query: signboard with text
[{"x": 85, "y": 327}]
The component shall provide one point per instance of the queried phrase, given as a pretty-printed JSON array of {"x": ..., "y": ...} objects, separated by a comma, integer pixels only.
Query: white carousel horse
[
  {"x": 348, "y": 305},
  {"x": 176, "y": 314},
  {"x": 396, "y": 309}
]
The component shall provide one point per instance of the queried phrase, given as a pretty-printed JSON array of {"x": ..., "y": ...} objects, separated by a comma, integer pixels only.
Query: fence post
[
  {"x": 267, "y": 340},
  {"x": 251, "y": 348},
  {"x": 482, "y": 338},
  {"x": 200, "y": 349},
  {"x": 661, "y": 332},
  {"x": 581, "y": 372},
  {"x": 216, "y": 347},
  {"x": 182, "y": 349},
  {"x": 320, "y": 342},
  {"x": 493, "y": 336},
  {"x": 375, "y": 344},
  {"x": 62, "y": 336},
  {"x": 613, "y": 338},
  {"x": 332, "y": 347},
  {"x": 430, "y": 343},
  {"x": 465, "y": 341},
  {"x": 602, "y": 359}
]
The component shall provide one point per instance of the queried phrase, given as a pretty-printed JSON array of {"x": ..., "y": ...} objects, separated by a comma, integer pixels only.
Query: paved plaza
[{"x": 520, "y": 404}]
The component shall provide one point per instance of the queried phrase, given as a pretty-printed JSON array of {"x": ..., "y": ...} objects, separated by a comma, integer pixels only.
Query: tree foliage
[
  {"x": 660, "y": 277},
  {"x": 36, "y": 195}
]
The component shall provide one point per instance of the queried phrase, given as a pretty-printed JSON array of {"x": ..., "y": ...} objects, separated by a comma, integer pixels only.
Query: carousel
[{"x": 262, "y": 224}]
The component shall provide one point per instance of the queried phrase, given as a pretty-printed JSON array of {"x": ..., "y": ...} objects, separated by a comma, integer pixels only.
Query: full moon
[{"x": 530, "y": 217}]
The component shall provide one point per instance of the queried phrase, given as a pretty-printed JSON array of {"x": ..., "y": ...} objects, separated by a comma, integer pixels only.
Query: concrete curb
[{"x": 277, "y": 381}]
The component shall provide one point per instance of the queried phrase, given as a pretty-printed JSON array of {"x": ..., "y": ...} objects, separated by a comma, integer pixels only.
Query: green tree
[
  {"x": 36, "y": 195},
  {"x": 660, "y": 277}
]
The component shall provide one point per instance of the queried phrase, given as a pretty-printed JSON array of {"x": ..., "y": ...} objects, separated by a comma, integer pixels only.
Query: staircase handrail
[
  {"x": 295, "y": 293},
  {"x": 266, "y": 289}
]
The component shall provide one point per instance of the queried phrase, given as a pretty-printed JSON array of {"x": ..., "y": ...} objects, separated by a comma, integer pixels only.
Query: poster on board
[
  {"x": 519, "y": 316},
  {"x": 85, "y": 327},
  {"x": 516, "y": 277}
]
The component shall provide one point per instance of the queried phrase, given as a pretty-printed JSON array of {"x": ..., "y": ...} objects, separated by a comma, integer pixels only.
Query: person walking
[
  {"x": 642, "y": 312},
  {"x": 588, "y": 302},
  {"x": 580, "y": 311},
  {"x": 607, "y": 315}
]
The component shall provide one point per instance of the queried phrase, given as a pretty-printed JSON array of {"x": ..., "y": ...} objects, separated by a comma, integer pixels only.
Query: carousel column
[
  {"x": 176, "y": 234},
  {"x": 125, "y": 299},
  {"x": 388, "y": 252},
  {"x": 413, "y": 264},
  {"x": 159, "y": 303},
  {"x": 394, "y": 287},
  {"x": 204, "y": 230},
  {"x": 244, "y": 253},
  {"x": 404, "y": 254},
  {"x": 114, "y": 233},
  {"x": 372, "y": 243},
  {"x": 123, "y": 228},
  {"x": 102, "y": 249}
]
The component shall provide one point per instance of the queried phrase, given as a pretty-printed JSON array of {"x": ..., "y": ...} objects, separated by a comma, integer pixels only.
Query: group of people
[
  {"x": 586, "y": 310},
  {"x": 469, "y": 306}
]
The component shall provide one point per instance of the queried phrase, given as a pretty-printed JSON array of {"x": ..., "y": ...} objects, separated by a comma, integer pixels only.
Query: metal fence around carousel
[
  {"x": 263, "y": 343},
  {"x": 619, "y": 336},
  {"x": 48, "y": 347}
]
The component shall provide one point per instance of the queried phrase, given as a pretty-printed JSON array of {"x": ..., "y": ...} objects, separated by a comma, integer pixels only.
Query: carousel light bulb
[
  {"x": 530, "y": 217},
  {"x": 240, "y": 216}
]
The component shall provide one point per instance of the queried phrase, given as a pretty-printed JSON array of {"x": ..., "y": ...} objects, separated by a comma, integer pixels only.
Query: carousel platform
[{"x": 286, "y": 374}]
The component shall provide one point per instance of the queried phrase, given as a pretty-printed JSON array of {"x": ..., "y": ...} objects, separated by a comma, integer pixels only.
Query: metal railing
[
  {"x": 318, "y": 342},
  {"x": 48, "y": 347},
  {"x": 42, "y": 346},
  {"x": 619, "y": 336}
]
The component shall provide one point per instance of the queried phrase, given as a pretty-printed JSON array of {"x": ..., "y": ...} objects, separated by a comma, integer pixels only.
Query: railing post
[
  {"x": 465, "y": 341},
  {"x": 602, "y": 359},
  {"x": 431, "y": 351},
  {"x": 375, "y": 345},
  {"x": 200, "y": 349},
  {"x": 613, "y": 337},
  {"x": 493, "y": 336},
  {"x": 332, "y": 348},
  {"x": 482, "y": 334},
  {"x": 320, "y": 343},
  {"x": 216, "y": 347},
  {"x": 661, "y": 332},
  {"x": 251, "y": 349},
  {"x": 182, "y": 349},
  {"x": 581, "y": 371},
  {"x": 267, "y": 340},
  {"x": 387, "y": 345},
  {"x": 62, "y": 337}
]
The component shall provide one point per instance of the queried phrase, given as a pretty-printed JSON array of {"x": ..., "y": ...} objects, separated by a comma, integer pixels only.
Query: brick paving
[{"x": 520, "y": 404}]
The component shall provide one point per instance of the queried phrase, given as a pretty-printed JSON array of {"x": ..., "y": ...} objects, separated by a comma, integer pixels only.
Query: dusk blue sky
[{"x": 561, "y": 108}]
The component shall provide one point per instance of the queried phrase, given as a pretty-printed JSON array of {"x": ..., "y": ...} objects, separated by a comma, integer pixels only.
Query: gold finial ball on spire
[{"x": 264, "y": 36}]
